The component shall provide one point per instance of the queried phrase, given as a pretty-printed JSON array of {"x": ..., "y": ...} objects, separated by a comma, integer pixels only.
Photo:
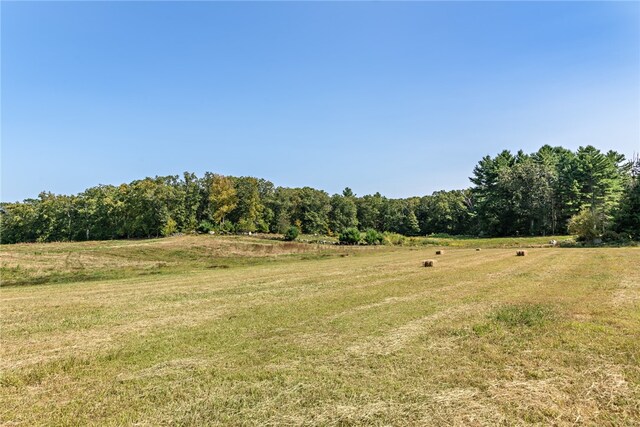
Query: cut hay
[
  {"x": 428, "y": 263},
  {"x": 439, "y": 252},
  {"x": 521, "y": 253}
]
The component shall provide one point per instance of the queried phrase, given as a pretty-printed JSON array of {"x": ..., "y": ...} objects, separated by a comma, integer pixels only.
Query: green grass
[
  {"x": 498, "y": 242},
  {"x": 521, "y": 315},
  {"x": 300, "y": 335}
]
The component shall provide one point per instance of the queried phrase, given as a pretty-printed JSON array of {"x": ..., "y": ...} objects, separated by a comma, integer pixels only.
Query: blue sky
[{"x": 401, "y": 98}]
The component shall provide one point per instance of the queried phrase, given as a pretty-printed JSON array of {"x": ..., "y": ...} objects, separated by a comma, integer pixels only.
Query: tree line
[{"x": 549, "y": 192}]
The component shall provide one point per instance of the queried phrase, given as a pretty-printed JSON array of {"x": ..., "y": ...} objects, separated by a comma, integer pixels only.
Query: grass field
[{"x": 205, "y": 330}]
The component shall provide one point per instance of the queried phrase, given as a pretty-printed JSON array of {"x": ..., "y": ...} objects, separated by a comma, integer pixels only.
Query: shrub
[
  {"x": 585, "y": 225},
  {"x": 292, "y": 233},
  {"x": 263, "y": 227},
  {"x": 350, "y": 236},
  {"x": 245, "y": 225},
  {"x": 394, "y": 239},
  {"x": 205, "y": 226},
  {"x": 227, "y": 227},
  {"x": 373, "y": 237},
  {"x": 611, "y": 236}
]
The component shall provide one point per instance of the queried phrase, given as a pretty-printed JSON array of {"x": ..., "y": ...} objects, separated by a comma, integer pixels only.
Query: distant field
[
  {"x": 38, "y": 263},
  {"x": 206, "y": 330}
]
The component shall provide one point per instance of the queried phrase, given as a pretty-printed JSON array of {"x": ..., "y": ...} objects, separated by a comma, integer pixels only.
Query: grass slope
[
  {"x": 483, "y": 338},
  {"x": 40, "y": 263}
]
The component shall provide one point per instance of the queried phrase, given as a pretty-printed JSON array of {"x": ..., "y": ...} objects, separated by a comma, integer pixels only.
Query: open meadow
[{"x": 208, "y": 330}]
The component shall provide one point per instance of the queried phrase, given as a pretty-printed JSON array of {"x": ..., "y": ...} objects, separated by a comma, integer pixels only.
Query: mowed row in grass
[{"x": 482, "y": 338}]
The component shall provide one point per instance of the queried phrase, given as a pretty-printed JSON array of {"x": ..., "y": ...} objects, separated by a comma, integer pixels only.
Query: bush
[
  {"x": 227, "y": 227},
  {"x": 292, "y": 233},
  {"x": 245, "y": 225},
  {"x": 205, "y": 227},
  {"x": 350, "y": 236},
  {"x": 585, "y": 225},
  {"x": 373, "y": 237},
  {"x": 611, "y": 236},
  {"x": 263, "y": 227},
  {"x": 394, "y": 239}
]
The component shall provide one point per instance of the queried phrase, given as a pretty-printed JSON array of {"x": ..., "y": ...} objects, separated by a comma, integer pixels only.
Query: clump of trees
[
  {"x": 541, "y": 193},
  {"x": 627, "y": 215},
  {"x": 537, "y": 194}
]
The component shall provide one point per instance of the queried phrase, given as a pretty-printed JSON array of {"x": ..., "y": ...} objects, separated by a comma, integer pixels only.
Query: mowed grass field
[{"x": 206, "y": 330}]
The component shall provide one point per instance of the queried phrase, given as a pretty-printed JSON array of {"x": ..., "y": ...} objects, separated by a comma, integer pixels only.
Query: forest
[{"x": 552, "y": 191}]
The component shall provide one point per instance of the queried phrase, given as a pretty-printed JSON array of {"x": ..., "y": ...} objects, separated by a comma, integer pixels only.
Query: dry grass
[
  {"x": 38, "y": 263},
  {"x": 369, "y": 339}
]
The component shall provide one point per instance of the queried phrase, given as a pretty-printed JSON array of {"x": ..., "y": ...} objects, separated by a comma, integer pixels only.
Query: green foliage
[
  {"x": 585, "y": 225},
  {"x": 343, "y": 213},
  {"x": 537, "y": 194},
  {"x": 373, "y": 237},
  {"x": 610, "y": 236},
  {"x": 368, "y": 211},
  {"x": 393, "y": 239},
  {"x": 512, "y": 195},
  {"x": 627, "y": 216},
  {"x": 410, "y": 224},
  {"x": 170, "y": 227},
  {"x": 248, "y": 210},
  {"x": 350, "y": 236},
  {"x": 222, "y": 197},
  {"x": 530, "y": 185},
  {"x": 205, "y": 226},
  {"x": 310, "y": 208},
  {"x": 445, "y": 212},
  {"x": 492, "y": 202},
  {"x": 262, "y": 226},
  {"x": 292, "y": 233},
  {"x": 245, "y": 225},
  {"x": 226, "y": 227}
]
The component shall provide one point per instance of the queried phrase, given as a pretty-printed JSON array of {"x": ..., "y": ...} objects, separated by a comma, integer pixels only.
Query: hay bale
[
  {"x": 428, "y": 263},
  {"x": 521, "y": 253},
  {"x": 477, "y": 249},
  {"x": 439, "y": 252}
]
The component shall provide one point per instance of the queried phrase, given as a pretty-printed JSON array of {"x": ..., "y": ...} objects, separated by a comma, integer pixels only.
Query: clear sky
[{"x": 401, "y": 98}]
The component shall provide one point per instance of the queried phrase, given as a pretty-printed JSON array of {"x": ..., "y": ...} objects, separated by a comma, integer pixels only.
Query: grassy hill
[{"x": 158, "y": 332}]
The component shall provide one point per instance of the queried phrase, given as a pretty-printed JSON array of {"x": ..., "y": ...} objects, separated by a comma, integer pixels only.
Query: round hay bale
[
  {"x": 428, "y": 263},
  {"x": 521, "y": 253},
  {"x": 477, "y": 249},
  {"x": 439, "y": 252}
]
